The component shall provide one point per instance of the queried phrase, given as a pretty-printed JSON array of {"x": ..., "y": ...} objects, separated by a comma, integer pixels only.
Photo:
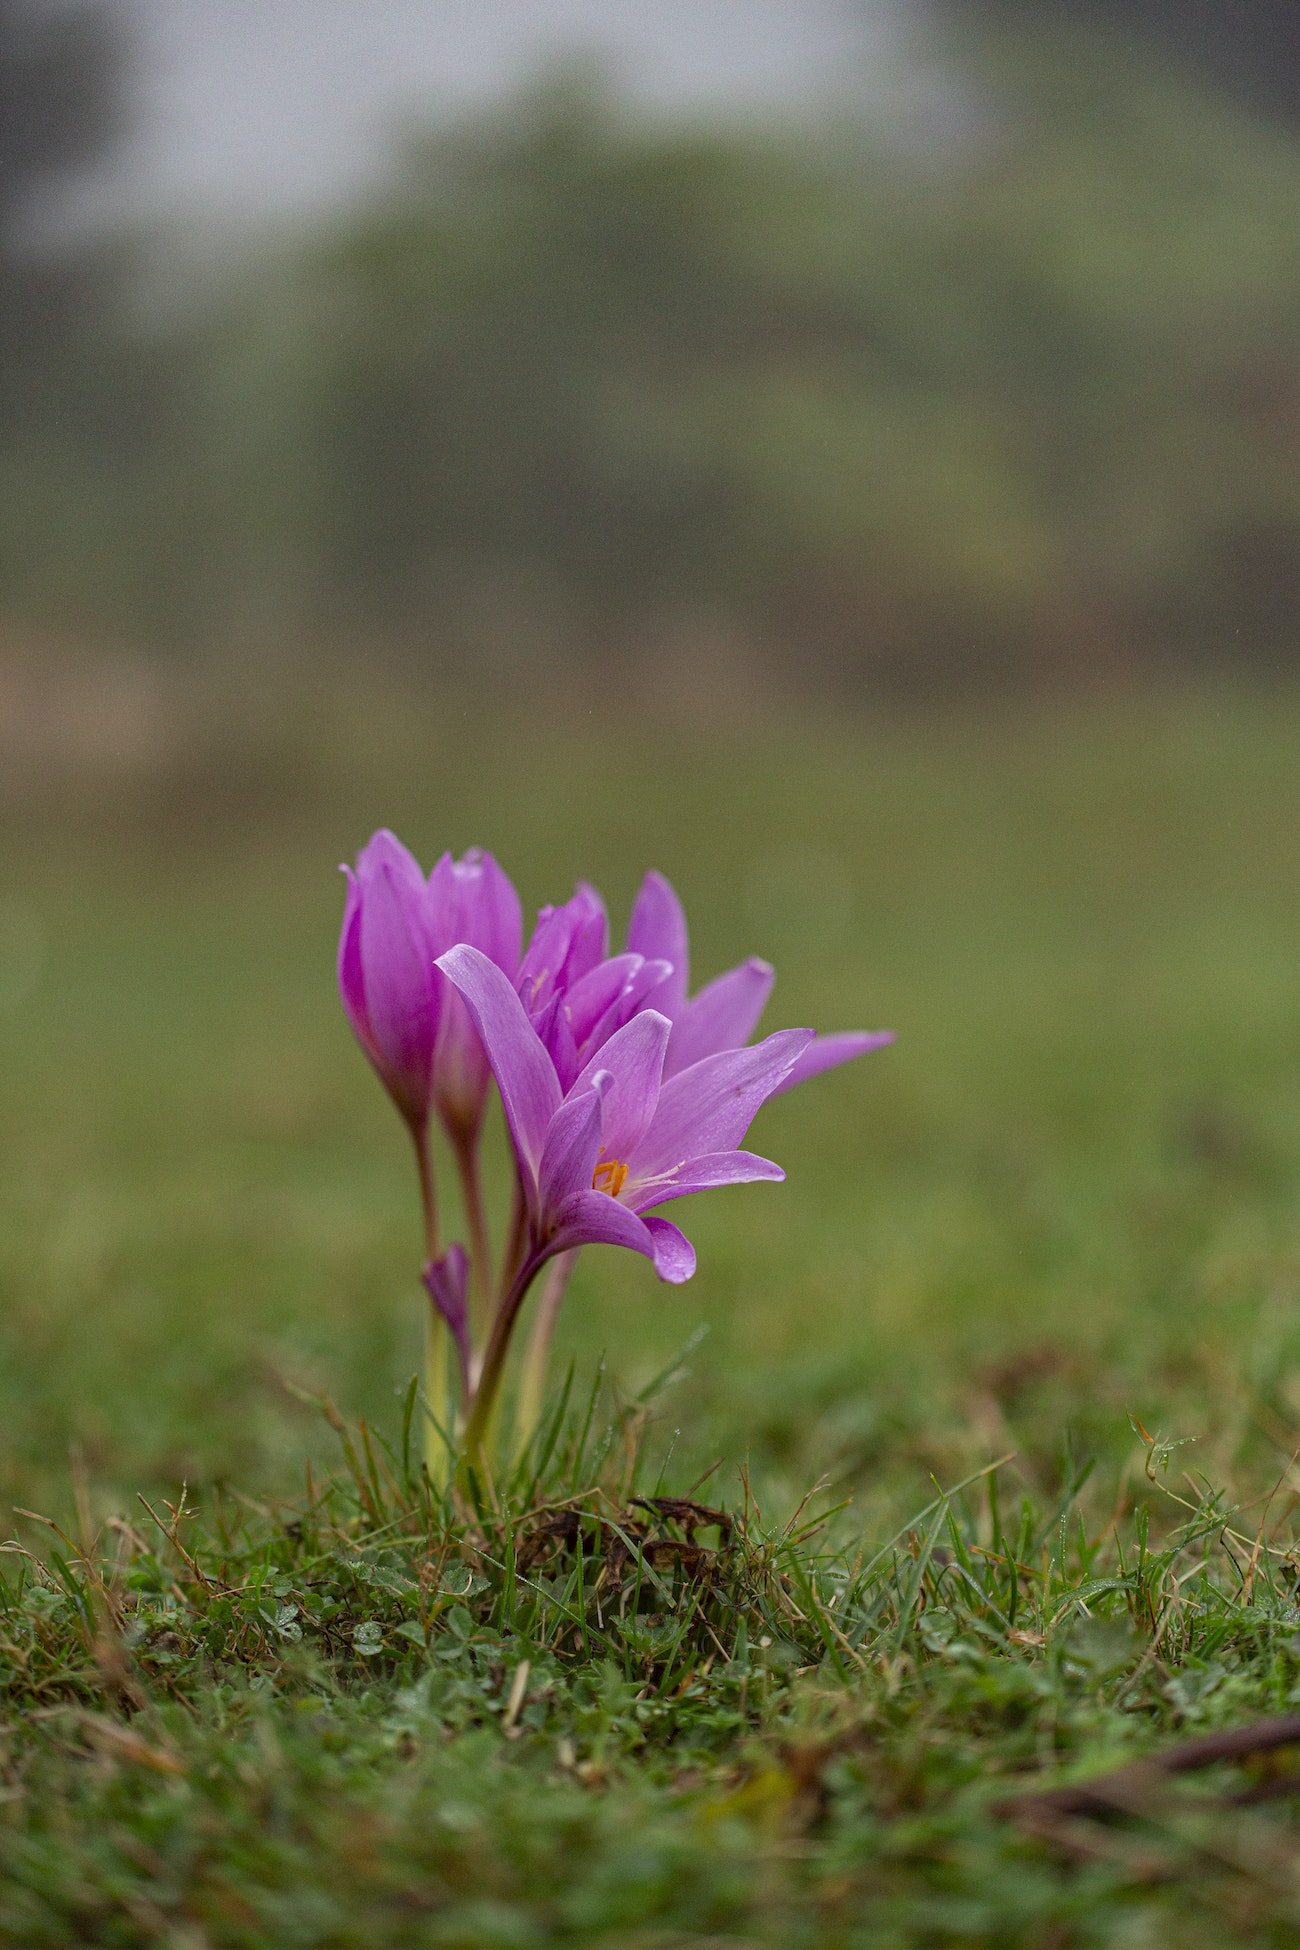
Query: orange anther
[{"x": 609, "y": 1176}]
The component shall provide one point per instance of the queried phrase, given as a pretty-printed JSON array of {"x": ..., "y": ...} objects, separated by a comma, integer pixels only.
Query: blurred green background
[
  {"x": 861, "y": 398},
  {"x": 886, "y": 523}
]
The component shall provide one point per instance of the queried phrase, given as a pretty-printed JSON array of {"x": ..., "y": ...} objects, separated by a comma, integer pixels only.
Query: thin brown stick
[
  {"x": 1263, "y": 1525},
  {"x": 1130, "y": 1789}
]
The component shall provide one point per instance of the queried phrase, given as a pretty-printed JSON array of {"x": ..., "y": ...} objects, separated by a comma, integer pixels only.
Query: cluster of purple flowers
[{"x": 621, "y": 1091}]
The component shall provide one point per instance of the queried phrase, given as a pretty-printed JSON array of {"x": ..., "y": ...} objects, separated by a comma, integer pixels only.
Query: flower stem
[
  {"x": 512, "y": 1257},
  {"x": 480, "y": 1251},
  {"x": 532, "y": 1380},
  {"x": 435, "y": 1329},
  {"x": 435, "y": 1393},
  {"x": 428, "y": 1197},
  {"x": 494, "y": 1360}
]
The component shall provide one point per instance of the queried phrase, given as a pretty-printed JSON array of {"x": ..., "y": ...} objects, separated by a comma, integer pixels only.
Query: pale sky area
[{"x": 258, "y": 108}]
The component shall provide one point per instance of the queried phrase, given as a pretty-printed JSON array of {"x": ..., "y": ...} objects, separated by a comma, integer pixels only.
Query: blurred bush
[
  {"x": 59, "y": 99},
  {"x": 1026, "y": 406},
  {"x": 1251, "y": 48}
]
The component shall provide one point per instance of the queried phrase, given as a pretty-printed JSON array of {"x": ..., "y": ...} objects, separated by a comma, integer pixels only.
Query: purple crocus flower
[
  {"x": 594, "y": 1161},
  {"x": 390, "y": 988},
  {"x": 409, "y": 1021},
  {"x": 407, "y": 1017},
  {"x": 574, "y": 992},
  {"x": 473, "y": 900},
  {"x": 725, "y": 1014},
  {"x": 567, "y": 944}
]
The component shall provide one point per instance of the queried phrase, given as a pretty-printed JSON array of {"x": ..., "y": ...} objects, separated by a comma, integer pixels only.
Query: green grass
[{"x": 1068, "y": 1196}]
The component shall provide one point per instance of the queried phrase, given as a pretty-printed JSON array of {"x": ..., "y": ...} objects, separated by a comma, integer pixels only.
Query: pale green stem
[
  {"x": 516, "y": 1243},
  {"x": 435, "y": 1327},
  {"x": 436, "y": 1459},
  {"x": 494, "y": 1360},
  {"x": 480, "y": 1251},
  {"x": 532, "y": 1380},
  {"x": 428, "y": 1197}
]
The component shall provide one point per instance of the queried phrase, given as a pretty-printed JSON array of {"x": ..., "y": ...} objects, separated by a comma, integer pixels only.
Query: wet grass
[
  {"x": 289, "y": 1709},
  {"x": 570, "y": 1707}
]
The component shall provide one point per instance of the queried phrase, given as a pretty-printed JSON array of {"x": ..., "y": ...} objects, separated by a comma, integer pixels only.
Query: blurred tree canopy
[
  {"x": 78, "y": 401},
  {"x": 59, "y": 102},
  {"x": 1251, "y": 47},
  {"x": 1028, "y": 406}
]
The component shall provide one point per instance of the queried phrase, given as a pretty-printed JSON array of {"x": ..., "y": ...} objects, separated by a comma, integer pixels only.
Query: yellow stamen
[{"x": 609, "y": 1176}]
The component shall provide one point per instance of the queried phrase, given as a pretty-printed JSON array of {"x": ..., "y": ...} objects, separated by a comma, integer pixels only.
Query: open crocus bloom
[
  {"x": 594, "y": 1160},
  {"x": 390, "y": 989},
  {"x": 622, "y": 1092},
  {"x": 574, "y": 992},
  {"x": 568, "y": 944},
  {"x": 725, "y": 1014}
]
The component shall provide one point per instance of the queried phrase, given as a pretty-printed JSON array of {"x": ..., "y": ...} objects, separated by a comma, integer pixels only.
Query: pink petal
[
  {"x": 572, "y": 1148},
  {"x": 634, "y": 1059},
  {"x": 553, "y": 1029},
  {"x": 352, "y": 986},
  {"x": 384, "y": 850},
  {"x": 460, "y": 1065},
  {"x": 595, "y": 1219},
  {"x": 709, "y": 1107},
  {"x": 705, "y": 1175},
  {"x": 674, "y": 1255},
  {"x": 400, "y": 997},
  {"x": 525, "y": 1074},
  {"x": 592, "y": 1219},
  {"x": 591, "y": 997},
  {"x": 567, "y": 944},
  {"x": 499, "y": 920},
  {"x": 827, "y": 1052},
  {"x": 657, "y": 930},
  {"x": 443, "y": 906},
  {"x": 722, "y": 1016},
  {"x": 472, "y": 900},
  {"x": 640, "y": 988},
  {"x": 590, "y": 934}
]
